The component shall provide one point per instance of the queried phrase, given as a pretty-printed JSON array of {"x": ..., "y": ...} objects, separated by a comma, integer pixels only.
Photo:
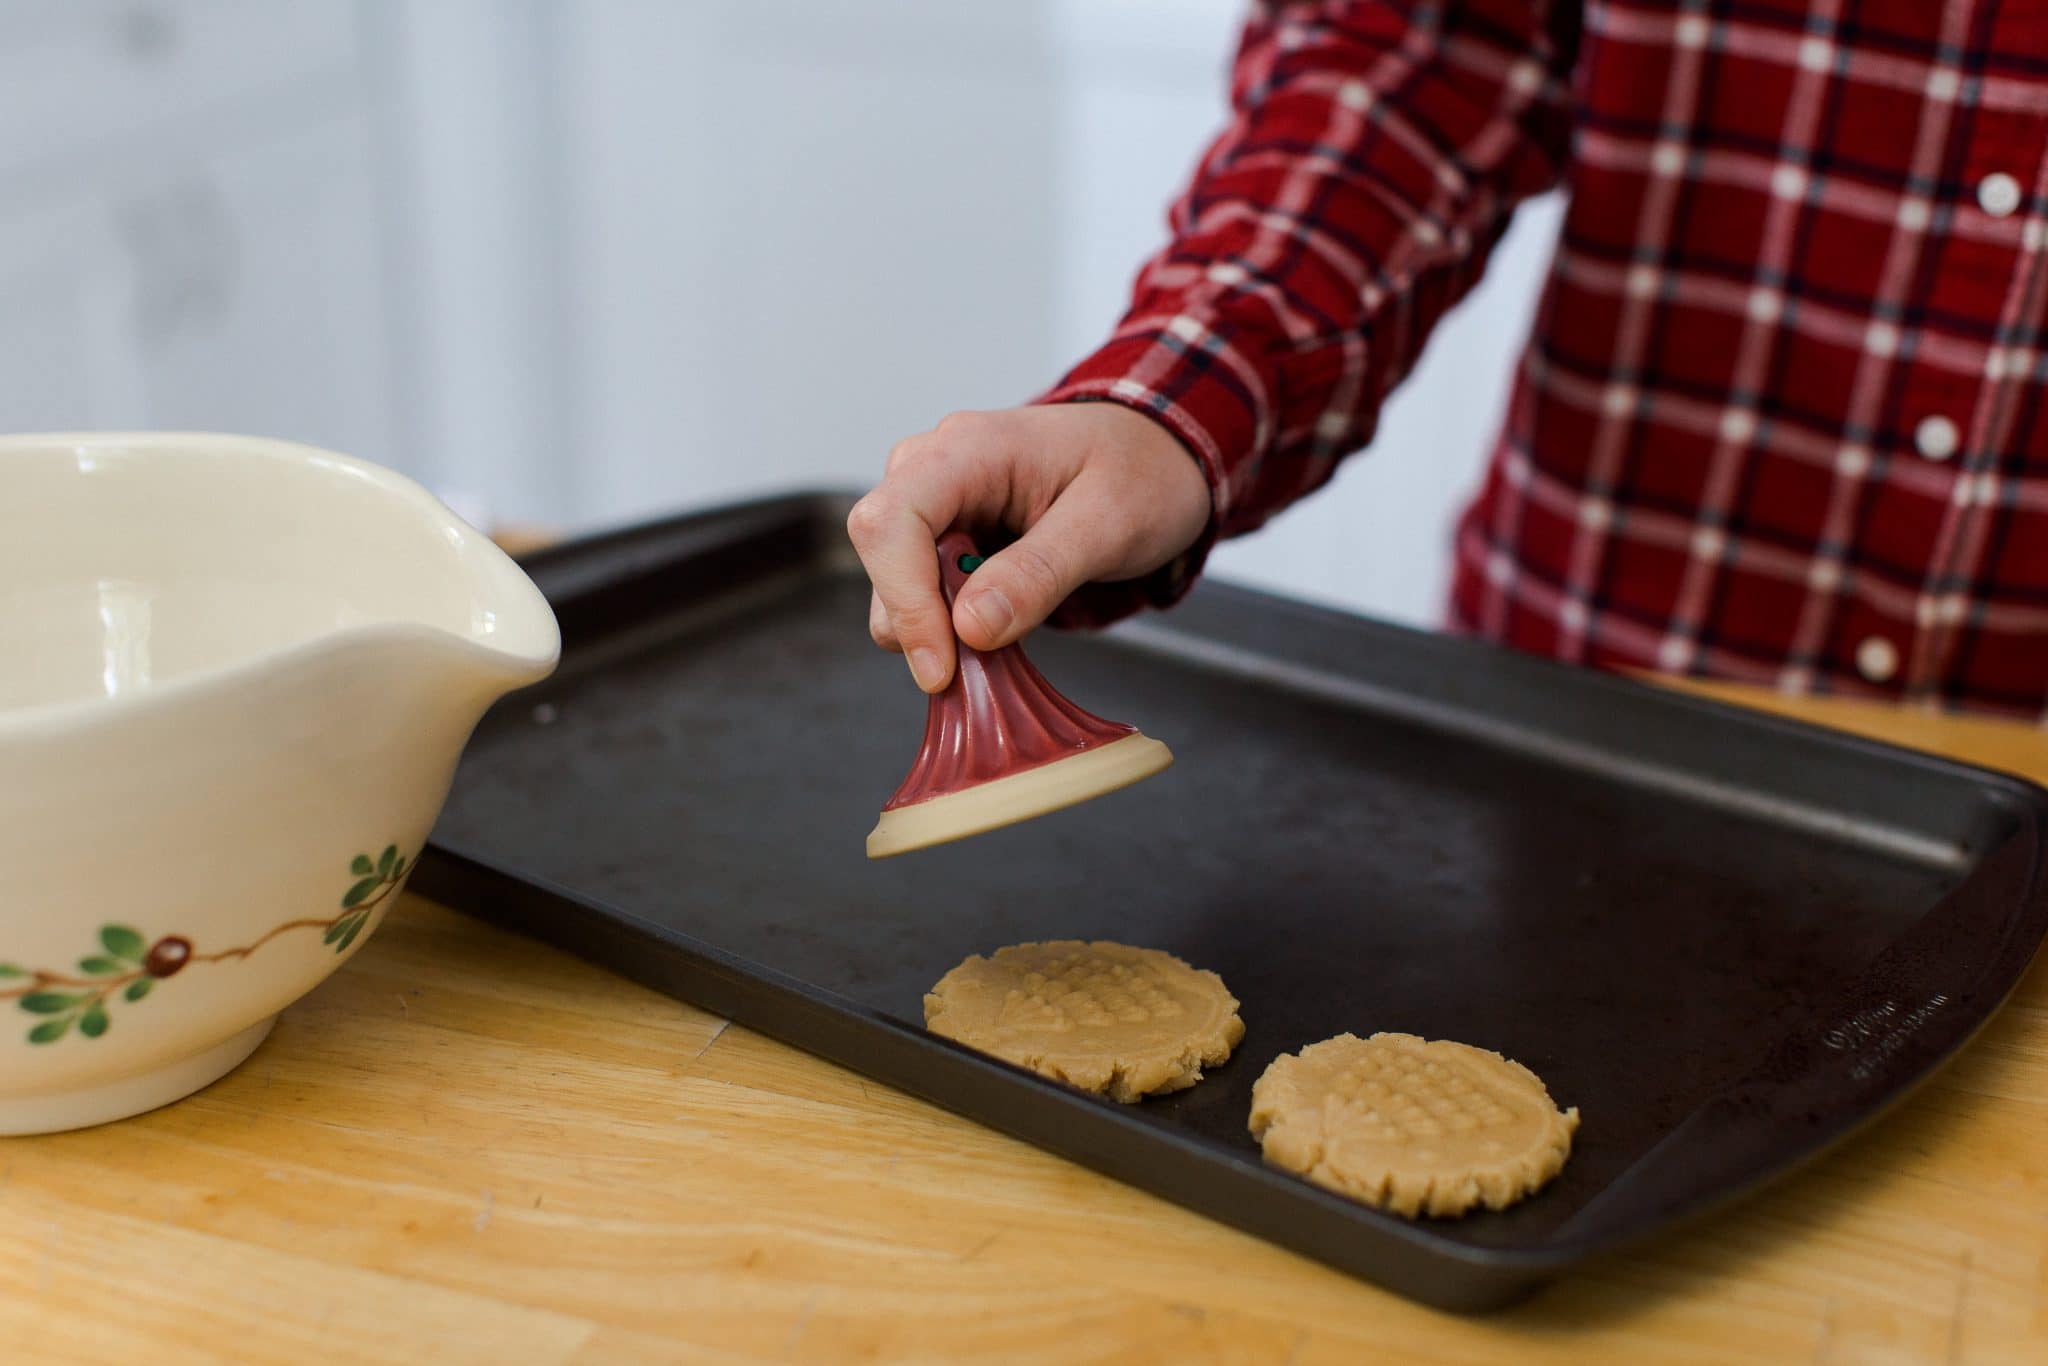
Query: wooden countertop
[{"x": 468, "y": 1147}]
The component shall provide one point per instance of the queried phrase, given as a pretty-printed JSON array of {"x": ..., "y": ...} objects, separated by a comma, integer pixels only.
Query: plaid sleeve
[{"x": 1374, "y": 153}]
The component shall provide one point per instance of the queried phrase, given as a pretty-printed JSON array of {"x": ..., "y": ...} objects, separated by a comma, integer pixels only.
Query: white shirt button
[
  {"x": 1936, "y": 437},
  {"x": 1877, "y": 659},
  {"x": 1998, "y": 194}
]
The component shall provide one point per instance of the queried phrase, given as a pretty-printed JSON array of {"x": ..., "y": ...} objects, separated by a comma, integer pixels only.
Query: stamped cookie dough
[
  {"x": 1412, "y": 1126},
  {"x": 1123, "y": 1022}
]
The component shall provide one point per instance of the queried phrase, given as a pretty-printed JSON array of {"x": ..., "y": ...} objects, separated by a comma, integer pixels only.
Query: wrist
[{"x": 1213, "y": 404}]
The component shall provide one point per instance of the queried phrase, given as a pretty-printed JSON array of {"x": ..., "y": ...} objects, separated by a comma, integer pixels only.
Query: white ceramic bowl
[{"x": 235, "y": 677}]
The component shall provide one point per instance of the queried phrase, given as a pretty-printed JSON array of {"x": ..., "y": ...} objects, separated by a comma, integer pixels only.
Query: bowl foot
[{"x": 55, "y": 1111}]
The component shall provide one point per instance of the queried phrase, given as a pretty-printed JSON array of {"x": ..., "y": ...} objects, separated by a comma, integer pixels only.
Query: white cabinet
[
  {"x": 65, "y": 356},
  {"x": 190, "y": 230},
  {"x": 84, "y": 79},
  {"x": 258, "y": 292}
]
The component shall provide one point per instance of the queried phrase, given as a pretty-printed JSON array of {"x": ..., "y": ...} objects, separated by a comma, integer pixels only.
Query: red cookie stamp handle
[{"x": 998, "y": 717}]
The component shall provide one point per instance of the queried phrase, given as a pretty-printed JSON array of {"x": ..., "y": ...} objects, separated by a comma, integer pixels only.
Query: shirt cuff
[{"x": 1216, "y": 417}]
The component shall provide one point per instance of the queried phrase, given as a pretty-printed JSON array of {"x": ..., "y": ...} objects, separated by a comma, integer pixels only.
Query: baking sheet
[{"x": 1728, "y": 939}]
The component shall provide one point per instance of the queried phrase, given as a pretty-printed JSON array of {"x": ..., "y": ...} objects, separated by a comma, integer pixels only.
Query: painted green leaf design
[
  {"x": 123, "y": 942},
  {"x": 125, "y": 950}
]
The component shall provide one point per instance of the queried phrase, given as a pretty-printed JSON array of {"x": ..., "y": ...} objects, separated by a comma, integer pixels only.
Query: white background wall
[
  {"x": 579, "y": 261},
  {"x": 188, "y": 227}
]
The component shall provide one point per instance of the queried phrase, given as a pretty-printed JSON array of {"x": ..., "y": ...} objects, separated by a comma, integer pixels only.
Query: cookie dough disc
[
  {"x": 1413, "y": 1126},
  {"x": 1108, "y": 1018}
]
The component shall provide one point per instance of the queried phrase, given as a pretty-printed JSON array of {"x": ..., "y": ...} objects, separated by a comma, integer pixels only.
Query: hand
[{"x": 1097, "y": 491}]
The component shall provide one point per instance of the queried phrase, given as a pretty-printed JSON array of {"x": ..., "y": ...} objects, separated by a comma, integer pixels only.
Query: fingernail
[
  {"x": 992, "y": 610},
  {"x": 925, "y": 668}
]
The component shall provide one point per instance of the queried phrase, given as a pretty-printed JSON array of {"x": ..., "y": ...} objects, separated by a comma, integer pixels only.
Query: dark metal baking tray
[{"x": 1728, "y": 939}]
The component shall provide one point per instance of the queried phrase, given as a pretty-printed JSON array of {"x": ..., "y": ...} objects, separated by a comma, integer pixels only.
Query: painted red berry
[{"x": 167, "y": 955}]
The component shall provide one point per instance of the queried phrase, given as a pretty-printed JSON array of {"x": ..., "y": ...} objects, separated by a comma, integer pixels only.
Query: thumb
[{"x": 1015, "y": 590}]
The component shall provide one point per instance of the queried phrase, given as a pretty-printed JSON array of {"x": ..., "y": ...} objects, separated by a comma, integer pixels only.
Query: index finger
[{"x": 895, "y": 529}]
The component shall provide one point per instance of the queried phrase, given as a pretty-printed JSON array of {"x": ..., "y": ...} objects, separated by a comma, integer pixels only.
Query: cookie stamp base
[{"x": 1018, "y": 797}]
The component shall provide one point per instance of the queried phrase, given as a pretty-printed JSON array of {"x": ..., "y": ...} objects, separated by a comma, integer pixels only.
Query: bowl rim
[{"x": 512, "y": 667}]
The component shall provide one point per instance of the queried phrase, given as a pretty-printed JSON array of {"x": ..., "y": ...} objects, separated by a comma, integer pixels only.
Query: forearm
[
  {"x": 1372, "y": 157},
  {"x": 1374, "y": 153}
]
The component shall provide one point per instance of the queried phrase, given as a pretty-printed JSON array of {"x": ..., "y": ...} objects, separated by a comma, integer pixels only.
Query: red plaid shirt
[{"x": 1781, "y": 417}]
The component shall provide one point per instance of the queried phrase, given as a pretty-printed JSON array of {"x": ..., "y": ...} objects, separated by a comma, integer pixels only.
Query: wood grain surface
[{"x": 467, "y": 1147}]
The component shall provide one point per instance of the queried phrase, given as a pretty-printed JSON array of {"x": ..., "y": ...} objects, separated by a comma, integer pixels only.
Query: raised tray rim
[{"x": 1257, "y": 1199}]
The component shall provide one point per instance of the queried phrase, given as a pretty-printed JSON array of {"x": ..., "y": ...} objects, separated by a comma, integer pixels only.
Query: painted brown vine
[{"x": 131, "y": 965}]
